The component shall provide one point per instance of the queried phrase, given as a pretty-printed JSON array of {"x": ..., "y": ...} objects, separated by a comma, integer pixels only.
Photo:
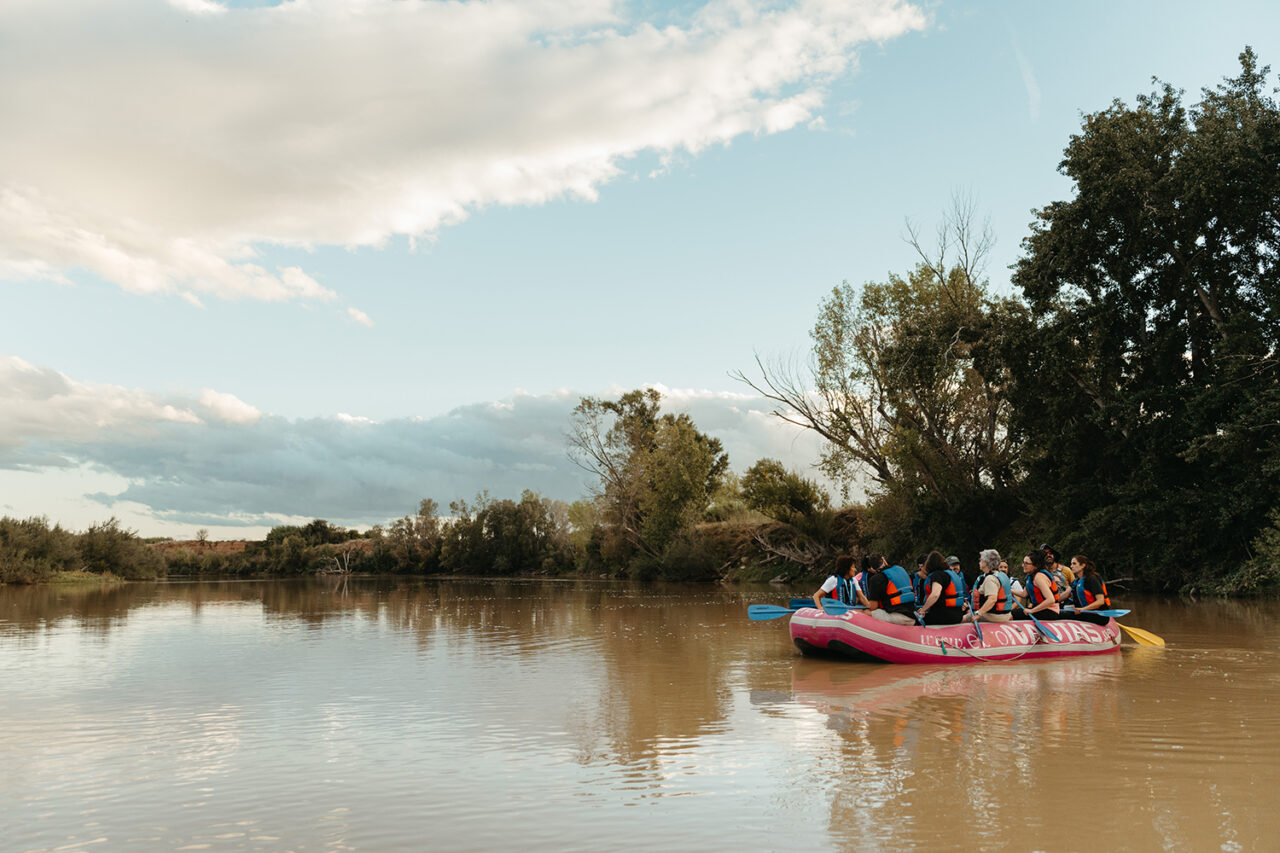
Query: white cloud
[
  {"x": 360, "y": 317},
  {"x": 39, "y": 403},
  {"x": 177, "y": 143},
  {"x": 228, "y": 408},
  {"x": 239, "y": 467}
]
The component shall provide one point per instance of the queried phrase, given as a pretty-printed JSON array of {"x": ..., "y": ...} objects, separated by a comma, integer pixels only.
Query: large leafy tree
[
  {"x": 655, "y": 472},
  {"x": 895, "y": 388},
  {"x": 1146, "y": 386}
]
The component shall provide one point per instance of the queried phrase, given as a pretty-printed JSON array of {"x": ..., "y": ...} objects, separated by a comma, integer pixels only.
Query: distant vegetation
[{"x": 1125, "y": 404}]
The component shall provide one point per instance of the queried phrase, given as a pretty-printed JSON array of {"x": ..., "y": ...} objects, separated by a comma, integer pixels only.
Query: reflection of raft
[{"x": 858, "y": 636}]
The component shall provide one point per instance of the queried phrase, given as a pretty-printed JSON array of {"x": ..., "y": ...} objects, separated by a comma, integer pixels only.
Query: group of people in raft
[{"x": 938, "y": 595}]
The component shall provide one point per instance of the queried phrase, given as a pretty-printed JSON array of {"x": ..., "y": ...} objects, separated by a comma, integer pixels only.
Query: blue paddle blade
[
  {"x": 830, "y": 605},
  {"x": 758, "y": 612}
]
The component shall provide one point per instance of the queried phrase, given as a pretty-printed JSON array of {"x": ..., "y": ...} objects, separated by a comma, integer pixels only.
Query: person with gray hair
[{"x": 993, "y": 592}]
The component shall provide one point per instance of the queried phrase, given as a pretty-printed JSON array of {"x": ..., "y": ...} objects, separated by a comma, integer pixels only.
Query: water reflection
[{"x": 370, "y": 713}]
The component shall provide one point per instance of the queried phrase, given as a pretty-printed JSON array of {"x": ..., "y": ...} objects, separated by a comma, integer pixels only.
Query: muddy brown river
[{"x": 391, "y": 714}]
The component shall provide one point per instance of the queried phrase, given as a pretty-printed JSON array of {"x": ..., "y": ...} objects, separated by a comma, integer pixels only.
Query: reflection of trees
[
  {"x": 643, "y": 667},
  {"x": 944, "y": 744}
]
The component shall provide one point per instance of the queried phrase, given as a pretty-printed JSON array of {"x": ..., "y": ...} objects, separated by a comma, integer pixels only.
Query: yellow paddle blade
[{"x": 1144, "y": 638}]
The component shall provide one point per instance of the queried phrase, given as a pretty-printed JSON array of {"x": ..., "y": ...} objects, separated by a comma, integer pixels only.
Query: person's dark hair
[
  {"x": 877, "y": 560},
  {"x": 844, "y": 563},
  {"x": 1049, "y": 551},
  {"x": 1089, "y": 568},
  {"x": 922, "y": 559},
  {"x": 866, "y": 562},
  {"x": 935, "y": 563},
  {"x": 1037, "y": 559}
]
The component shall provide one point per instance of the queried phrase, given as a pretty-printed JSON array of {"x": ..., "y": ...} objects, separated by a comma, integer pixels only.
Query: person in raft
[
  {"x": 889, "y": 594},
  {"x": 993, "y": 591},
  {"x": 1040, "y": 598},
  {"x": 840, "y": 586},
  {"x": 1060, "y": 573},
  {"x": 944, "y": 587},
  {"x": 918, "y": 585},
  {"x": 1089, "y": 592}
]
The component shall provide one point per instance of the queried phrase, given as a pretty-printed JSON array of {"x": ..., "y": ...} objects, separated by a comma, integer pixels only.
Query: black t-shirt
[
  {"x": 941, "y": 578},
  {"x": 878, "y": 590},
  {"x": 1093, "y": 584}
]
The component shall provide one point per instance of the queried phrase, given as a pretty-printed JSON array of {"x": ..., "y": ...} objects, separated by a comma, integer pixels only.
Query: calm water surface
[{"x": 407, "y": 715}]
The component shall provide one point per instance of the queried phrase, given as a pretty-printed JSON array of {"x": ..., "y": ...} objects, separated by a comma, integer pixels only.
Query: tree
[
  {"x": 655, "y": 473},
  {"x": 1146, "y": 387},
  {"x": 896, "y": 387}
]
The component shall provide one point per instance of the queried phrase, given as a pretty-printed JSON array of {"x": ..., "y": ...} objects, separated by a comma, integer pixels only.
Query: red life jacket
[
  {"x": 1086, "y": 598},
  {"x": 1033, "y": 592}
]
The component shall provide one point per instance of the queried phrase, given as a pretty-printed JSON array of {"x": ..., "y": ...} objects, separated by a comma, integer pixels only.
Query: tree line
[{"x": 1124, "y": 402}]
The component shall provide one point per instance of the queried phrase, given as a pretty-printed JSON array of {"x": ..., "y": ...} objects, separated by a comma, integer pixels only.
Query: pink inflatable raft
[{"x": 857, "y": 636}]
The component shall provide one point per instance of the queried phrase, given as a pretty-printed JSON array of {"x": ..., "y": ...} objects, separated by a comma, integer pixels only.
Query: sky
[{"x": 266, "y": 262}]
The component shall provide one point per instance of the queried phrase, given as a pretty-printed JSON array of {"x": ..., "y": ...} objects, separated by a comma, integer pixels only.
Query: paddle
[
  {"x": 974, "y": 615},
  {"x": 1040, "y": 625},
  {"x": 1114, "y": 614},
  {"x": 759, "y": 612},
  {"x": 1143, "y": 638},
  {"x": 773, "y": 611},
  {"x": 830, "y": 605}
]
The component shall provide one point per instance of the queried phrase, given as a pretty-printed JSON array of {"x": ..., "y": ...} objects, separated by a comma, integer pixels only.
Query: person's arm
[
  {"x": 987, "y": 604},
  {"x": 862, "y": 599},
  {"x": 935, "y": 591}
]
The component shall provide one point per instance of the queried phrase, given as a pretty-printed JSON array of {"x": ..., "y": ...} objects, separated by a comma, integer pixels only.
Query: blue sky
[{"x": 262, "y": 263}]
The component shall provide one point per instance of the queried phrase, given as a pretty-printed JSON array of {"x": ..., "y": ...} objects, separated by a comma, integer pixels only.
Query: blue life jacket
[
  {"x": 844, "y": 590},
  {"x": 1004, "y": 601},
  {"x": 899, "y": 588},
  {"x": 956, "y": 592},
  {"x": 1084, "y": 598},
  {"x": 1033, "y": 594}
]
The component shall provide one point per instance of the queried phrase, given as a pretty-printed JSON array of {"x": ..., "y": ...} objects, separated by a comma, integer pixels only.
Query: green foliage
[
  {"x": 773, "y": 491},
  {"x": 905, "y": 390},
  {"x": 31, "y": 551},
  {"x": 108, "y": 548},
  {"x": 1146, "y": 388},
  {"x": 505, "y": 537},
  {"x": 656, "y": 473}
]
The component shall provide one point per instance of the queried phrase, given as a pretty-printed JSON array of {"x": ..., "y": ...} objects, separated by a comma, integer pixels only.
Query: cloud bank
[
  {"x": 212, "y": 459},
  {"x": 161, "y": 146}
]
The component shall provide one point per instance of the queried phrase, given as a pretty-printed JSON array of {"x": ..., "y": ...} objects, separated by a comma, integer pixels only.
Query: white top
[{"x": 830, "y": 583}]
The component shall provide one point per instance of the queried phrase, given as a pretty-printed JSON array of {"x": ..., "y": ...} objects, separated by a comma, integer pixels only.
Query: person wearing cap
[
  {"x": 1064, "y": 576},
  {"x": 946, "y": 593}
]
